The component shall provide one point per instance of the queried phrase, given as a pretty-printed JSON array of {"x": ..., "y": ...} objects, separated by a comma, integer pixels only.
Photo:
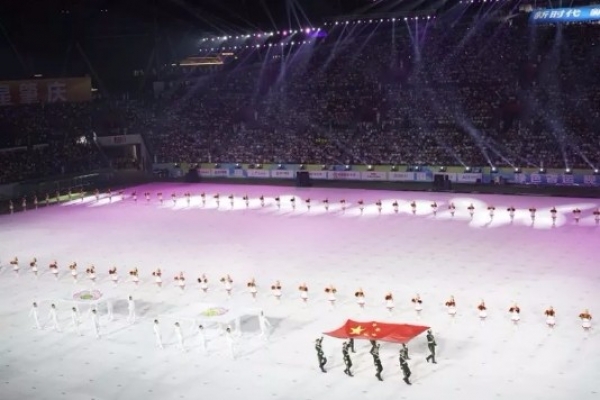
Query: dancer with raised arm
[
  {"x": 331, "y": 291},
  {"x": 550, "y": 317},
  {"x": 303, "y": 293},
  {"x": 252, "y": 288}
]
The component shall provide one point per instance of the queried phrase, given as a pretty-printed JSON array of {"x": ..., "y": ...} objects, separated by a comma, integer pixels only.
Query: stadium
[{"x": 247, "y": 198}]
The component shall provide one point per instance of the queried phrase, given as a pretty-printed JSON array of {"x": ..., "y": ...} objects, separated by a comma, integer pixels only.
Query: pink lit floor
[{"x": 436, "y": 256}]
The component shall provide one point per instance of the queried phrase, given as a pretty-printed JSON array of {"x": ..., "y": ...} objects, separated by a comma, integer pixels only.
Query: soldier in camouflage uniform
[
  {"x": 377, "y": 360},
  {"x": 320, "y": 354},
  {"x": 431, "y": 344},
  {"x": 404, "y": 352},
  {"x": 347, "y": 360}
]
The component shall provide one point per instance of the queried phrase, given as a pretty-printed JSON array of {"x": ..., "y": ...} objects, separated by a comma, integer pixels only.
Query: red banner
[
  {"x": 62, "y": 90},
  {"x": 373, "y": 330}
]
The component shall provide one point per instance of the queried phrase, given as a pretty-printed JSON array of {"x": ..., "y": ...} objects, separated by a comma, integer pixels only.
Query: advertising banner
[
  {"x": 469, "y": 178},
  {"x": 282, "y": 174},
  {"x": 401, "y": 176},
  {"x": 317, "y": 174},
  {"x": 572, "y": 14},
  {"x": 374, "y": 176},
  {"x": 344, "y": 175},
  {"x": 63, "y": 90},
  {"x": 258, "y": 173}
]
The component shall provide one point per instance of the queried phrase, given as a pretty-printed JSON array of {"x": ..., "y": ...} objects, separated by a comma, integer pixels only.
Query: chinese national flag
[{"x": 381, "y": 331}]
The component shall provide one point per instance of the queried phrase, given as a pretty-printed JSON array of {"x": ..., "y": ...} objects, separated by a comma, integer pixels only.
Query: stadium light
[
  {"x": 542, "y": 171},
  {"x": 370, "y": 167},
  {"x": 494, "y": 170},
  {"x": 596, "y": 171},
  {"x": 442, "y": 169},
  {"x": 467, "y": 169},
  {"x": 517, "y": 170},
  {"x": 347, "y": 167},
  {"x": 568, "y": 171}
]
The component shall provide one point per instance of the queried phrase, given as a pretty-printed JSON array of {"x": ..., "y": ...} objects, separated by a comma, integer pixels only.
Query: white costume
[
  {"x": 253, "y": 292},
  {"x": 74, "y": 274},
  {"x": 264, "y": 324},
  {"x": 115, "y": 278},
  {"x": 452, "y": 311},
  {"x": 34, "y": 268},
  {"x": 304, "y": 295},
  {"x": 96, "y": 324},
  {"x": 586, "y": 323},
  {"x": 550, "y": 321},
  {"x": 483, "y": 314},
  {"x": 277, "y": 294},
  {"x": 157, "y": 335},
  {"x": 389, "y": 304},
  {"x": 360, "y": 300},
  {"x": 158, "y": 280},
  {"x": 204, "y": 286},
  {"x": 36, "y": 319},
  {"x": 515, "y": 317},
  {"x": 55, "y": 272},
  {"x": 109, "y": 310},
  {"x": 181, "y": 283},
  {"x": 131, "y": 309},
  {"x": 202, "y": 339},
  {"x": 76, "y": 321},
  {"x": 16, "y": 267},
  {"x": 230, "y": 343},
  {"x": 228, "y": 288},
  {"x": 418, "y": 306},
  {"x": 54, "y": 319},
  {"x": 179, "y": 335},
  {"x": 331, "y": 298}
]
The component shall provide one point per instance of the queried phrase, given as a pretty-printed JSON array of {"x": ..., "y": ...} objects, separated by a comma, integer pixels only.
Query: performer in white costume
[
  {"x": 532, "y": 212},
  {"x": 515, "y": 313},
  {"x": 577, "y": 215},
  {"x": 157, "y": 274},
  {"x": 360, "y": 298},
  {"x": 135, "y": 276},
  {"x": 91, "y": 273},
  {"x": 203, "y": 198},
  {"x": 452, "y": 209},
  {"x": 413, "y": 207},
  {"x": 361, "y": 206},
  {"x": 379, "y": 205},
  {"x": 434, "y": 208},
  {"x": 303, "y": 293},
  {"x": 157, "y": 335},
  {"x": 326, "y": 204},
  {"x": 54, "y": 269},
  {"x": 246, "y": 200},
  {"x": 586, "y": 320},
  {"x": 262, "y": 200},
  {"x": 597, "y": 215},
  {"x": 471, "y": 209},
  {"x": 307, "y": 201},
  {"x": 203, "y": 281},
  {"x": 230, "y": 342},
  {"x": 96, "y": 323},
  {"x": 550, "y": 317},
  {"x": 389, "y": 302},
  {"x": 180, "y": 280},
  {"x": 73, "y": 268},
  {"x": 511, "y": 213},
  {"x": 131, "y": 310},
  {"x": 76, "y": 320},
  {"x": 34, "y": 266},
  {"x": 54, "y": 318},
  {"x": 252, "y": 289},
  {"x": 395, "y": 205},
  {"x": 343, "y": 204},
  {"x": 482, "y": 309},
  {"x": 451, "y": 306},
  {"x": 109, "y": 309},
  {"x": 553, "y": 213},
  {"x": 264, "y": 324},
  {"x": 491, "y": 209},
  {"x": 202, "y": 339},
  {"x": 179, "y": 335},
  {"x": 15, "y": 264},
  {"x": 293, "y": 202},
  {"x": 34, "y": 314},
  {"x": 276, "y": 289},
  {"x": 227, "y": 283},
  {"x": 331, "y": 291},
  {"x": 418, "y": 304},
  {"x": 114, "y": 277}
]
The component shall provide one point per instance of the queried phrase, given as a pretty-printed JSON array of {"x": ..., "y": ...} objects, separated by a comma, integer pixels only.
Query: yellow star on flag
[{"x": 357, "y": 330}]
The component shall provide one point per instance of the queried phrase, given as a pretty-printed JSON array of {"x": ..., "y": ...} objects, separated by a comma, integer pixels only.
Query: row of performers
[
  {"x": 361, "y": 204},
  {"x": 57, "y": 196},
  {"x": 277, "y": 292}
]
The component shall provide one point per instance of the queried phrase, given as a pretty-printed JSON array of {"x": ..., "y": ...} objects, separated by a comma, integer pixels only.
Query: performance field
[{"x": 98, "y": 343}]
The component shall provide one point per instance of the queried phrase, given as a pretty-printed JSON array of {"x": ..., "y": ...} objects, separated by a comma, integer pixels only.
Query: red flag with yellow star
[{"x": 380, "y": 331}]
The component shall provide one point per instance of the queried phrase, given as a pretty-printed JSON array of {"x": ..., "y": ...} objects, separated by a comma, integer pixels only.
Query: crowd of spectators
[{"x": 476, "y": 94}]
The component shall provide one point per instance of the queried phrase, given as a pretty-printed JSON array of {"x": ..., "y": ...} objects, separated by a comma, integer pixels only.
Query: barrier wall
[{"x": 385, "y": 174}]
